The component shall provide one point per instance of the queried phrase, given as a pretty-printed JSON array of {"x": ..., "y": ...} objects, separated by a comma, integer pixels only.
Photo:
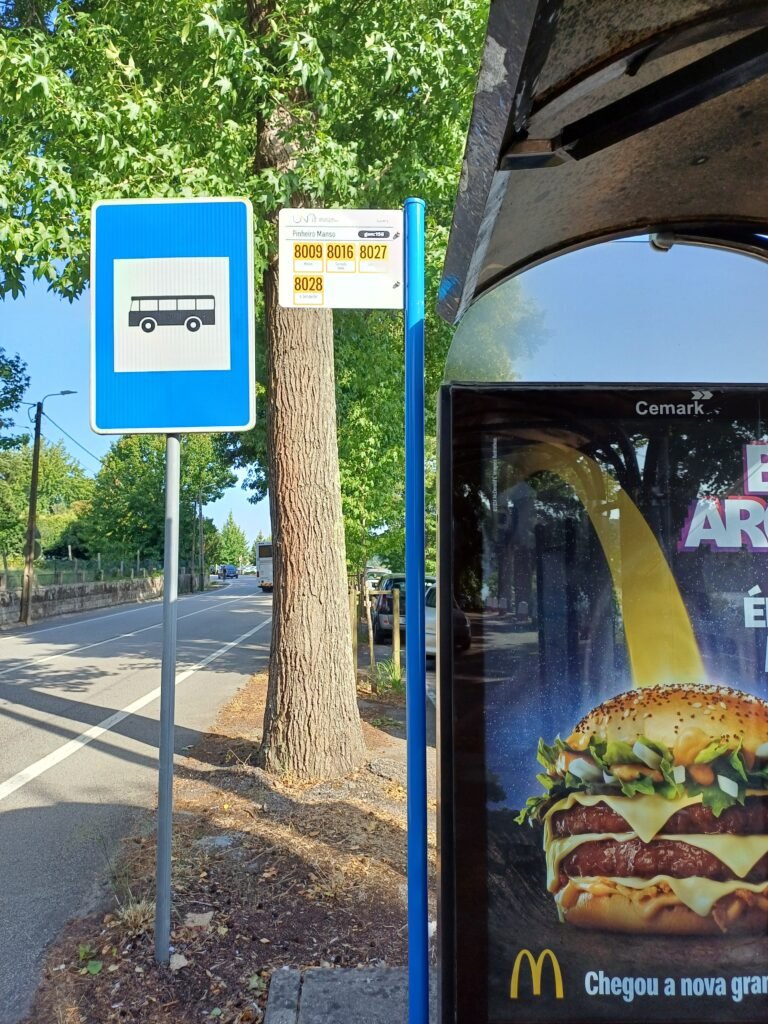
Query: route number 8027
[
  {"x": 376, "y": 251},
  {"x": 307, "y": 283}
]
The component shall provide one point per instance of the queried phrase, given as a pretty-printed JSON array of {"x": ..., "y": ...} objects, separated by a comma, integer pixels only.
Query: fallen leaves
[{"x": 193, "y": 920}]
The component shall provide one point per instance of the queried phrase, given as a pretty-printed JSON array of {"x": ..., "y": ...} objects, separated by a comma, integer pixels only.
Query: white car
[
  {"x": 462, "y": 633},
  {"x": 383, "y": 612}
]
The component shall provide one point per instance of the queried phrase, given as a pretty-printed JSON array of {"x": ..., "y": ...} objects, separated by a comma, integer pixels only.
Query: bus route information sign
[
  {"x": 172, "y": 317},
  {"x": 341, "y": 259}
]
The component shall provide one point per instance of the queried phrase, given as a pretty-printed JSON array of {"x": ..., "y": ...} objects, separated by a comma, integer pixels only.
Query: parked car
[
  {"x": 383, "y": 609},
  {"x": 462, "y": 632}
]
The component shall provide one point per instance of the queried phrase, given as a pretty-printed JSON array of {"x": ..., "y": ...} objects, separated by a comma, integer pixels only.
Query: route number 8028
[{"x": 307, "y": 283}]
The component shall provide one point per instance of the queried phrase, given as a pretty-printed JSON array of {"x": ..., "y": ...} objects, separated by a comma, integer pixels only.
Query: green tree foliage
[
  {"x": 205, "y": 475},
  {"x": 233, "y": 547},
  {"x": 14, "y": 381},
  {"x": 317, "y": 102},
  {"x": 14, "y": 495},
  {"x": 496, "y": 337},
  {"x": 371, "y": 100},
  {"x": 63, "y": 533},
  {"x": 212, "y": 542},
  {"x": 127, "y": 513},
  {"x": 63, "y": 494}
]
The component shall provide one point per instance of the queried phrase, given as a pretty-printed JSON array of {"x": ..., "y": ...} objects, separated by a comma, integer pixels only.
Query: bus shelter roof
[{"x": 597, "y": 119}]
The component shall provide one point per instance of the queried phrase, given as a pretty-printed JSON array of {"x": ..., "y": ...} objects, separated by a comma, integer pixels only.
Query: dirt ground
[{"x": 265, "y": 874}]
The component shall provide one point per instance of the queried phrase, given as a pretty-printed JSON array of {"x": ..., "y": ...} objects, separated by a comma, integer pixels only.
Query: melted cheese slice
[
  {"x": 698, "y": 894},
  {"x": 645, "y": 815},
  {"x": 738, "y": 853}
]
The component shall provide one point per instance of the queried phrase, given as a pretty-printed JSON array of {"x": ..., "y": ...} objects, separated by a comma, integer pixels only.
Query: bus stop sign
[{"x": 172, "y": 321}]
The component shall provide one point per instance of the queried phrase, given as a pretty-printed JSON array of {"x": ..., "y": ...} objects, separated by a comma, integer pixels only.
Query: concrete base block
[{"x": 368, "y": 995}]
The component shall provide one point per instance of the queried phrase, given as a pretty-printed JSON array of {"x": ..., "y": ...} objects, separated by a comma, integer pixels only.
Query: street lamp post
[{"x": 25, "y": 614}]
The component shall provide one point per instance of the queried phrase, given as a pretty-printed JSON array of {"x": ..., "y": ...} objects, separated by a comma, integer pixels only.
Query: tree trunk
[{"x": 311, "y": 725}]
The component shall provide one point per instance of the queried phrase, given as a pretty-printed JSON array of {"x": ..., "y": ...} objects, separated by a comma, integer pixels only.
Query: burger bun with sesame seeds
[{"x": 664, "y": 713}]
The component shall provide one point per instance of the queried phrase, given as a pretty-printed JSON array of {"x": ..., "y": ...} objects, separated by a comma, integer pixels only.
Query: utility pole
[
  {"x": 25, "y": 614},
  {"x": 29, "y": 550},
  {"x": 202, "y": 542}
]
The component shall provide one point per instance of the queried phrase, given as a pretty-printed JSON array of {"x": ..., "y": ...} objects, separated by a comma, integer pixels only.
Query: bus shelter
[{"x": 603, "y": 743}]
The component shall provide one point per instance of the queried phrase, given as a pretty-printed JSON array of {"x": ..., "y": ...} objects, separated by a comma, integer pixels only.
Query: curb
[
  {"x": 342, "y": 995},
  {"x": 284, "y": 994}
]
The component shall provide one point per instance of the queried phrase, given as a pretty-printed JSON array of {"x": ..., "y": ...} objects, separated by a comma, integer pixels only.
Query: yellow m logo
[{"x": 536, "y": 966}]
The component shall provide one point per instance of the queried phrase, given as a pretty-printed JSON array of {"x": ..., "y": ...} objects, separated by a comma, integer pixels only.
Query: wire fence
[{"x": 63, "y": 571}]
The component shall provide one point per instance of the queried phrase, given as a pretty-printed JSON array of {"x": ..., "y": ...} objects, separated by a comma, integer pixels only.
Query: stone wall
[{"x": 65, "y": 598}]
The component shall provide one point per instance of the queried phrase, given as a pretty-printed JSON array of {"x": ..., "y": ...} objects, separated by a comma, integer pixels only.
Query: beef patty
[
  {"x": 751, "y": 820},
  {"x": 635, "y": 859}
]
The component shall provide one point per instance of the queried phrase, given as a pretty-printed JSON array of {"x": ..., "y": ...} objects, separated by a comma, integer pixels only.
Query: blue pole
[{"x": 415, "y": 658}]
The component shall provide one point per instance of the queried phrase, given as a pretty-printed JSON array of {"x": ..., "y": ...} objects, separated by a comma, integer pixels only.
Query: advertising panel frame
[{"x": 462, "y": 922}]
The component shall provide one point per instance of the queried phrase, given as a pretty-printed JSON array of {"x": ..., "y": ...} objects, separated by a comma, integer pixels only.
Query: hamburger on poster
[{"x": 656, "y": 813}]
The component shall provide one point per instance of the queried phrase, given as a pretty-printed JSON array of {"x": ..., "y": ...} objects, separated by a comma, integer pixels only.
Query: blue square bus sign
[{"x": 172, "y": 316}]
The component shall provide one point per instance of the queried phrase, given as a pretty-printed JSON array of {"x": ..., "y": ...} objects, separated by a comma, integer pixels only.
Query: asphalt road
[{"x": 79, "y": 707}]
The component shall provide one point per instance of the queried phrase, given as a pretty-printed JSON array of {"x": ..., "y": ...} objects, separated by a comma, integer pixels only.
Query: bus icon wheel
[
  {"x": 192, "y": 323},
  {"x": 148, "y": 325}
]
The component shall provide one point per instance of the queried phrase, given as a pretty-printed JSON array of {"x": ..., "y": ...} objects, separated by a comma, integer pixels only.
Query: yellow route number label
[
  {"x": 308, "y": 289},
  {"x": 373, "y": 257},
  {"x": 340, "y": 251},
  {"x": 307, "y": 256},
  {"x": 373, "y": 251},
  {"x": 340, "y": 257},
  {"x": 307, "y": 251}
]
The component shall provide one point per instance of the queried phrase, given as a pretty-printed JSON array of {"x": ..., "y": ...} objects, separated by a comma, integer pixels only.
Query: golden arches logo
[{"x": 536, "y": 965}]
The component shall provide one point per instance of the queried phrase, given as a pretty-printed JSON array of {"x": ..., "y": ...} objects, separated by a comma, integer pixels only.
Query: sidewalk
[{"x": 367, "y": 995}]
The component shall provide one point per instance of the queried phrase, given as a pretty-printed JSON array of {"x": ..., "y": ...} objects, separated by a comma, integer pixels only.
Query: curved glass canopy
[{"x": 644, "y": 315}]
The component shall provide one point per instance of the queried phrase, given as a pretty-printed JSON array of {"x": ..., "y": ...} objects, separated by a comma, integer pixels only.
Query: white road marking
[
  {"x": 137, "y": 607},
  {"x": 68, "y": 749},
  {"x": 23, "y": 663}
]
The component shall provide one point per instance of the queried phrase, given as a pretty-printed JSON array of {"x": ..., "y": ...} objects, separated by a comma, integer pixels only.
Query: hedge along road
[{"x": 79, "y": 728}]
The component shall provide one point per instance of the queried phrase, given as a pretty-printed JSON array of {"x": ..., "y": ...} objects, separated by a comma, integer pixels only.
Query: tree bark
[{"x": 311, "y": 724}]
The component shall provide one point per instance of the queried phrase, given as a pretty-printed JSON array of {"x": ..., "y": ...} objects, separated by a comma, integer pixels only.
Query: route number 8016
[{"x": 340, "y": 251}]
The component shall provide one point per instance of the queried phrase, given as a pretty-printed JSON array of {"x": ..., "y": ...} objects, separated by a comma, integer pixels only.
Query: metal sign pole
[
  {"x": 167, "y": 699},
  {"x": 415, "y": 657}
]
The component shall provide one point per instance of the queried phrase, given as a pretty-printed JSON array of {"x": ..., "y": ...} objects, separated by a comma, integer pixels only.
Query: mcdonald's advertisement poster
[{"x": 603, "y": 704}]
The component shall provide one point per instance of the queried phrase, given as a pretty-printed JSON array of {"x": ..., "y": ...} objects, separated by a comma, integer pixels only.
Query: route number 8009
[{"x": 307, "y": 251}]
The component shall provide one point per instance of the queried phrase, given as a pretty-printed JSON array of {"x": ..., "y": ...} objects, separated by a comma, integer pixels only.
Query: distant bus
[
  {"x": 190, "y": 311},
  {"x": 264, "y": 567}
]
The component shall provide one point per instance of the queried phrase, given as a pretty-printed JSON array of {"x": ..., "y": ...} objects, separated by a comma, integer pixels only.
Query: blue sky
[
  {"x": 624, "y": 312},
  {"x": 613, "y": 312}
]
